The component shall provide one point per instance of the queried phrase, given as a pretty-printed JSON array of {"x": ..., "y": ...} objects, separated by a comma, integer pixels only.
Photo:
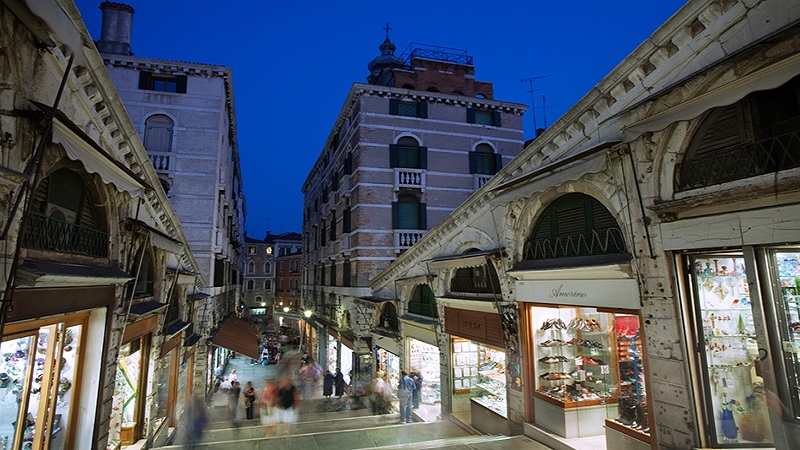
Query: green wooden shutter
[
  {"x": 423, "y": 157},
  {"x": 470, "y": 115},
  {"x": 498, "y": 162},
  {"x": 422, "y": 109},
  {"x": 145, "y": 80},
  {"x": 182, "y": 80},
  {"x": 473, "y": 162},
  {"x": 394, "y": 151},
  {"x": 496, "y": 118},
  {"x": 394, "y": 106},
  {"x": 395, "y": 215},
  {"x": 423, "y": 216}
]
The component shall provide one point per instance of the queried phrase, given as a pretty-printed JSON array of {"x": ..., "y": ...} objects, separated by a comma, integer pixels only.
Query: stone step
[
  {"x": 349, "y": 433},
  {"x": 475, "y": 443}
]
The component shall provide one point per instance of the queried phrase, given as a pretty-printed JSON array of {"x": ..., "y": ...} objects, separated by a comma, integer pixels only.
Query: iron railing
[
  {"x": 453, "y": 55},
  {"x": 475, "y": 285},
  {"x": 739, "y": 162},
  {"x": 47, "y": 233},
  {"x": 584, "y": 244}
]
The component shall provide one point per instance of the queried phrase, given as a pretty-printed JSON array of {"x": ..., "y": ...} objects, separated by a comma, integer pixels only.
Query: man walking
[{"x": 405, "y": 389}]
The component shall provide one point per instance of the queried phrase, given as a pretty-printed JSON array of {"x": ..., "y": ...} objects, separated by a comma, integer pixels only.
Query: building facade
[
  {"x": 637, "y": 289},
  {"x": 184, "y": 114},
  {"x": 100, "y": 279},
  {"x": 261, "y": 280},
  {"x": 407, "y": 148},
  {"x": 288, "y": 278}
]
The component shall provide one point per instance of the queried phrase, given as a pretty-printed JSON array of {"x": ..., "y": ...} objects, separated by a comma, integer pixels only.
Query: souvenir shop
[
  {"x": 340, "y": 354},
  {"x": 48, "y": 381},
  {"x": 387, "y": 358},
  {"x": 587, "y": 358},
  {"x": 749, "y": 341},
  {"x": 423, "y": 354},
  {"x": 478, "y": 369}
]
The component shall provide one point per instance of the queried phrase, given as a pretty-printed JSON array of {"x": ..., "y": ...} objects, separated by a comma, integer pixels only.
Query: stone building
[
  {"x": 99, "y": 279},
  {"x": 630, "y": 280},
  {"x": 407, "y": 148},
  {"x": 185, "y": 115},
  {"x": 288, "y": 279},
  {"x": 260, "y": 280}
]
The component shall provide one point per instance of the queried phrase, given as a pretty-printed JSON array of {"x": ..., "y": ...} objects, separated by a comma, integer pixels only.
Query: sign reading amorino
[{"x": 623, "y": 294}]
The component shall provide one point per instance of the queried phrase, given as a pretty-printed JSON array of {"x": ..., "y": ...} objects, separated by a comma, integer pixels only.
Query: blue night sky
[{"x": 294, "y": 62}]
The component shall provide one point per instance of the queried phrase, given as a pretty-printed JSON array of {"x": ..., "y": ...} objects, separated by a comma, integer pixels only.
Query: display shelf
[
  {"x": 632, "y": 432},
  {"x": 494, "y": 390}
]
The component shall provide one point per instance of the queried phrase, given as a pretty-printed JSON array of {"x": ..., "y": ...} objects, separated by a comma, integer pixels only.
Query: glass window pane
[
  {"x": 407, "y": 109},
  {"x": 735, "y": 392},
  {"x": 409, "y": 216},
  {"x": 408, "y": 157},
  {"x": 788, "y": 307},
  {"x": 483, "y": 117},
  {"x": 66, "y": 380},
  {"x": 13, "y": 373}
]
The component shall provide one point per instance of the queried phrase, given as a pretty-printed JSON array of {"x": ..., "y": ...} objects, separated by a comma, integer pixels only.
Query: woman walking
[
  {"x": 249, "y": 399},
  {"x": 327, "y": 384}
]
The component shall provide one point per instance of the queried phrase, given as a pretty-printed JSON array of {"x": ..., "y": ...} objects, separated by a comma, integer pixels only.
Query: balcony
[
  {"x": 162, "y": 161},
  {"x": 47, "y": 233},
  {"x": 409, "y": 178},
  {"x": 404, "y": 239},
  {"x": 480, "y": 180}
]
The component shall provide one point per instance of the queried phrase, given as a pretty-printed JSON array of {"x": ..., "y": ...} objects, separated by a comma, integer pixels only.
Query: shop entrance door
[{"x": 737, "y": 339}]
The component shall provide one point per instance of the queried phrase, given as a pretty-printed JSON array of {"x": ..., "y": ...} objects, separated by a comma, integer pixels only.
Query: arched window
[
  {"x": 760, "y": 134},
  {"x": 267, "y": 267},
  {"x": 388, "y": 319},
  {"x": 574, "y": 225},
  {"x": 484, "y": 160},
  {"x": 457, "y": 92},
  {"x": 267, "y": 285},
  {"x": 408, "y": 86},
  {"x": 173, "y": 310},
  {"x": 408, "y": 153},
  {"x": 433, "y": 89},
  {"x": 259, "y": 300},
  {"x": 422, "y": 302},
  {"x": 251, "y": 285},
  {"x": 251, "y": 267},
  {"x": 480, "y": 279},
  {"x": 408, "y": 213},
  {"x": 158, "y": 134}
]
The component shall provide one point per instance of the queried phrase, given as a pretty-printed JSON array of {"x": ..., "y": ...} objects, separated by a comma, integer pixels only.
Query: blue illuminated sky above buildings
[{"x": 294, "y": 62}]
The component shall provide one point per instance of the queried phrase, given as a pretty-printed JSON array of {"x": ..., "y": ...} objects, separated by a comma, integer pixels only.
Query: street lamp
[{"x": 286, "y": 309}]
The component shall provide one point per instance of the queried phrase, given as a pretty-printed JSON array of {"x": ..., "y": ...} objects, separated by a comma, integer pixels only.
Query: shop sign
[
  {"x": 623, "y": 294},
  {"x": 479, "y": 326}
]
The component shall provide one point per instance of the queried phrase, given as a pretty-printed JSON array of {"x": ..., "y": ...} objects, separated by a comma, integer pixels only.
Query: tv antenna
[{"x": 531, "y": 91}]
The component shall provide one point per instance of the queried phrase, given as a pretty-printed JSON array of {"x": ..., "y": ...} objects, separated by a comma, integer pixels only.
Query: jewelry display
[
  {"x": 788, "y": 312},
  {"x": 480, "y": 371},
  {"x": 426, "y": 358}
]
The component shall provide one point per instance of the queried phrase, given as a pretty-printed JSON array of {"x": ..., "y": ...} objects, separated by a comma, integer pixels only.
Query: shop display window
[
  {"x": 425, "y": 357},
  {"x": 162, "y": 373},
  {"x": 346, "y": 363},
  {"x": 37, "y": 372},
  {"x": 480, "y": 371},
  {"x": 587, "y": 357},
  {"x": 735, "y": 391},
  {"x": 787, "y": 266},
  {"x": 389, "y": 364},
  {"x": 331, "y": 353},
  {"x": 124, "y": 409}
]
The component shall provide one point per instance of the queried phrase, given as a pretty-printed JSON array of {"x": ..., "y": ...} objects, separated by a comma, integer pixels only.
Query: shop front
[
  {"x": 478, "y": 369},
  {"x": 423, "y": 355},
  {"x": 743, "y": 313},
  {"x": 340, "y": 354},
  {"x": 587, "y": 358},
  {"x": 127, "y": 423},
  {"x": 388, "y": 363}
]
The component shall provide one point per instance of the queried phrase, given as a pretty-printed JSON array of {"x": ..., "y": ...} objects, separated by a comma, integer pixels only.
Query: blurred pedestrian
[
  {"x": 196, "y": 420},
  {"x": 233, "y": 377},
  {"x": 416, "y": 377},
  {"x": 338, "y": 382},
  {"x": 405, "y": 389},
  {"x": 267, "y": 400},
  {"x": 249, "y": 399},
  {"x": 380, "y": 393},
  {"x": 285, "y": 412},
  {"x": 233, "y": 400},
  {"x": 327, "y": 384}
]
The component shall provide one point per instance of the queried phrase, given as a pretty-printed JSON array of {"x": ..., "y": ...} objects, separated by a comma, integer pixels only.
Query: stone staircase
[{"x": 349, "y": 429}]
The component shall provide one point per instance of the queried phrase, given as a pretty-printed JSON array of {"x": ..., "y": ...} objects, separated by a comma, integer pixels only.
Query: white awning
[
  {"x": 768, "y": 78},
  {"x": 96, "y": 161}
]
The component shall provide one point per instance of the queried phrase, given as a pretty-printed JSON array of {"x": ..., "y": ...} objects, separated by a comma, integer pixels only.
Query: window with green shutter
[
  {"x": 483, "y": 117},
  {"x": 407, "y": 153},
  {"x": 408, "y": 108},
  {"x": 484, "y": 161},
  {"x": 408, "y": 213},
  {"x": 422, "y": 302}
]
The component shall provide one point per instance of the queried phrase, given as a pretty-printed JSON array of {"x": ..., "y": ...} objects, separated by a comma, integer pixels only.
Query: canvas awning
[
  {"x": 158, "y": 238},
  {"x": 466, "y": 260},
  {"x": 239, "y": 336}
]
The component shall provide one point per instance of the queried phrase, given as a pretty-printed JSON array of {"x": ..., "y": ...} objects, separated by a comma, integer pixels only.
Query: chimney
[{"x": 115, "y": 35}]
